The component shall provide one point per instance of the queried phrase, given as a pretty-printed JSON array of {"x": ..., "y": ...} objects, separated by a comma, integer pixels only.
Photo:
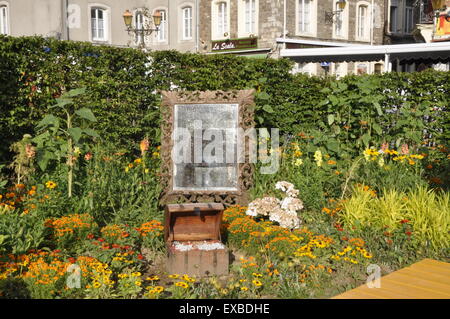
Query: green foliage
[
  {"x": 344, "y": 116},
  {"x": 120, "y": 188},
  {"x": 427, "y": 212},
  {"x": 21, "y": 232},
  {"x": 56, "y": 141},
  {"x": 24, "y": 158}
]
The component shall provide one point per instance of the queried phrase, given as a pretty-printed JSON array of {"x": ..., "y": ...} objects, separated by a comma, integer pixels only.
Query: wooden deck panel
[{"x": 427, "y": 279}]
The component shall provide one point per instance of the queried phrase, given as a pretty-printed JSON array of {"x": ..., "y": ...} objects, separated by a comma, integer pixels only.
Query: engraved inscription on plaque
[{"x": 210, "y": 130}]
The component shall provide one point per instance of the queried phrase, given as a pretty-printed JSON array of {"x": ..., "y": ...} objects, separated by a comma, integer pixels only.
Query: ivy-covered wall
[{"x": 123, "y": 84}]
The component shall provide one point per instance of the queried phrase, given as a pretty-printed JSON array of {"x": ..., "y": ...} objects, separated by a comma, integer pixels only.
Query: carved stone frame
[{"x": 245, "y": 101}]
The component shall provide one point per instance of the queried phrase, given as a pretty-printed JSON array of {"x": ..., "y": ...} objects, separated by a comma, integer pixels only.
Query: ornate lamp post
[
  {"x": 329, "y": 15},
  {"x": 141, "y": 31}
]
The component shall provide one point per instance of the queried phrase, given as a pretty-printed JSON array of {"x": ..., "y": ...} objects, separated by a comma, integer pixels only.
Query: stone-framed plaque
[{"x": 201, "y": 159}]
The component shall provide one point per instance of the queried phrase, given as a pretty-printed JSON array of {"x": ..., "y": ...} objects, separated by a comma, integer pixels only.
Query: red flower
[
  {"x": 101, "y": 239},
  {"x": 90, "y": 236},
  {"x": 72, "y": 260},
  {"x": 115, "y": 246},
  {"x": 408, "y": 233},
  {"x": 404, "y": 221},
  {"x": 57, "y": 251},
  {"x": 88, "y": 156},
  {"x": 105, "y": 247},
  {"x": 389, "y": 242},
  {"x": 140, "y": 257}
]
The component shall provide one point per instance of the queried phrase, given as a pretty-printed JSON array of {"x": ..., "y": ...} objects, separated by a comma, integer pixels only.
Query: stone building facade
[
  {"x": 280, "y": 24},
  {"x": 101, "y": 21},
  {"x": 257, "y": 28}
]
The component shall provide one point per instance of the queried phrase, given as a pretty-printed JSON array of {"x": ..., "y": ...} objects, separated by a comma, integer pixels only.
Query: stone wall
[{"x": 271, "y": 15}]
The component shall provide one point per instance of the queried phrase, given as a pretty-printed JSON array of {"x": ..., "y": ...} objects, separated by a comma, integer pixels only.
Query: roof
[{"x": 414, "y": 51}]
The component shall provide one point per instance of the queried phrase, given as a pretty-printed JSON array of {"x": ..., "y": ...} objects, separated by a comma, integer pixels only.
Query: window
[
  {"x": 187, "y": 23},
  {"x": 247, "y": 18},
  {"x": 304, "y": 16},
  {"x": 409, "y": 22},
  {"x": 393, "y": 25},
  {"x": 250, "y": 16},
  {"x": 363, "y": 22},
  {"x": 139, "y": 24},
  {"x": 4, "y": 20},
  {"x": 99, "y": 24},
  {"x": 161, "y": 35},
  {"x": 222, "y": 19},
  {"x": 338, "y": 22},
  {"x": 378, "y": 69}
]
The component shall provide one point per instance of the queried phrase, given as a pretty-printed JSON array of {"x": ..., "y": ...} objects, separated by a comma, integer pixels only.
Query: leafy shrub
[
  {"x": 343, "y": 116},
  {"x": 22, "y": 232},
  {"x": 427, "y": 213}
]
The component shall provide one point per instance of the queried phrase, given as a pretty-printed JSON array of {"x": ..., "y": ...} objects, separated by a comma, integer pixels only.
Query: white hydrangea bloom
[
  {"x": 262, "y": 206},
  {"x": 286, "y": 219},
  {"x": 283, "y": 212},
  {"x": 291, "y": 204},
  {"x": 288, "y": 188}
]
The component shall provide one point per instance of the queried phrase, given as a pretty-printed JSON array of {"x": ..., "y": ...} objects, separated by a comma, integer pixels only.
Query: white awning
[
  {"x": 317, "y": 42},
  {"x": 437, "y": 52}
]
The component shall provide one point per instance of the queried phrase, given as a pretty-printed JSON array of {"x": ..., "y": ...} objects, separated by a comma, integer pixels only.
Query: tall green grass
[{"x": 427, "y": 212}]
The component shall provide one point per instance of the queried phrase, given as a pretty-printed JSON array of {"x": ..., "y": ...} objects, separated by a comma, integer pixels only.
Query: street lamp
[
  {"x": 142, "y": 30},
  {"x": 329, "y": 15},
  {"x": 437, "y": 4}
]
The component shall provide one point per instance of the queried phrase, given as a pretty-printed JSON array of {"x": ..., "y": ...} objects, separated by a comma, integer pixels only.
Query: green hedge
[{"x": 123, "y": 84}]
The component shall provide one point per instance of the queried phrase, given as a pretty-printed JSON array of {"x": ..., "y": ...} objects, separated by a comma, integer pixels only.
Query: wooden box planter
[{"x": 192, "y": 236}]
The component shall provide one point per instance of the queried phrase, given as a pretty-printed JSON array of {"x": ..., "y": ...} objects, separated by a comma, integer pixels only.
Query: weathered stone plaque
[{"x": 199, "y": 149}]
